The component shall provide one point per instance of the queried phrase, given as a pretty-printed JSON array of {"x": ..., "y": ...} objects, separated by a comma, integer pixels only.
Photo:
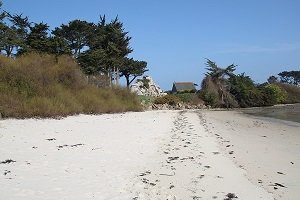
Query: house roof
[{"x": 181, "y": 86}]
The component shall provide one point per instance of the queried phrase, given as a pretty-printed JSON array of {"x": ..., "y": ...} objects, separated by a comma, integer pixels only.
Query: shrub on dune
[{"x": 37, "y": 85}]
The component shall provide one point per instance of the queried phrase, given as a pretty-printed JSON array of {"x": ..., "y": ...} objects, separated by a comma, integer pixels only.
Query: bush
[
  {"x": 245, "y": 92},
  {"x": 189, "y": 98},
  {"x": 167, "y": 99},
  {"x": 273, "y": 94},
  {"x": 186, "y": 91},
  {"x": 293, "y": 92},
  {"x": 210, "y": 98},
  {"x": 45, "y": 86}
]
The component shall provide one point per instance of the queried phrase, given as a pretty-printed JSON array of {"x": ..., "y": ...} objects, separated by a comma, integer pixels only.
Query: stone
[{"x": 147, "y": 87}]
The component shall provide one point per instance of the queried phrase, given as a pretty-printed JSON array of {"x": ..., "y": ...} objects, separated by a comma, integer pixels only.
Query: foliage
[
  {"x": 169, "y": 99},
  {"x": 222, "y": 88},
  {"x": 132, "y": 68},
  {"x": 186, "y": 91},
  {"x": 291, "y": 77},
  {"x": 189, "y": 98},
  {"x": 272, "y": 94},
  {"x": 76, "y": 34},
  {"x": 272, "y": 79},
  {"x": 215, "y": 86},
  {"x": 145, "y": 82},
  {"x": 174, "y": 99},
  {"x": 146, "y": 100},
  {"x": 244, "y": 90},
  {"x": 14, "y": 29},
  {"x": 210, "y": 98},
  {"x": 292, "y": 92},
  {"x": 98, "y": 48},
  {"x": 218, "y": 73},
  {"x": 93, "y": 62},
  {"x": 45, "y": 86},
  {"x": 37, "y": 40}
]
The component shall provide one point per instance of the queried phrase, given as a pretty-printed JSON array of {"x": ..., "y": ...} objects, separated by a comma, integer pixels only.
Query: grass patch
[
  {"x": 146, "y": 100},
  {"x": 47, "y": 86}
]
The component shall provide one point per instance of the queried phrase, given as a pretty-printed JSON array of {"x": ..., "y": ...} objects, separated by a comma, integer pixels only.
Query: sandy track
[{"x": 189, "y": 165}]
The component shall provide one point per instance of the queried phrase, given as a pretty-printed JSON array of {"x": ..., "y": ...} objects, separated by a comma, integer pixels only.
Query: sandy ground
[
  {"x": 149, "y": 155},
  {"x": 268, "y": 149}
]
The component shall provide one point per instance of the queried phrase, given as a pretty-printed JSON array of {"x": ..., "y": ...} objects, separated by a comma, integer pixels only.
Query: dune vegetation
[{"x": 37, "y": 85}]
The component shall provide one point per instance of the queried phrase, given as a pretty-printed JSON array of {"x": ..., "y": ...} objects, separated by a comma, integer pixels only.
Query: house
[{"x": 183, "y": 87}]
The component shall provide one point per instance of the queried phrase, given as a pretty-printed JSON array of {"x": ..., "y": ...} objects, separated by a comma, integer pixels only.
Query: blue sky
[{"x": 262, "y": 37}]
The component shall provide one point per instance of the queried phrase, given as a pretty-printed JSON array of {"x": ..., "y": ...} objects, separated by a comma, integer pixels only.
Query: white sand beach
[{"x": 150, "y": 155}]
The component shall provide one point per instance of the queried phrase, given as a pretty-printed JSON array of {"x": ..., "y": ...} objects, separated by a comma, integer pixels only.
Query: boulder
[{"x": 146, "y": 87}]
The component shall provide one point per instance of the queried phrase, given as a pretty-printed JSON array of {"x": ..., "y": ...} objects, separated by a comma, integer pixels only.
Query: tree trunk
[
  {"x": 127, "y": 81},
  {"x": 117, "y": 76},
  {"x": 109, "y": 77}
]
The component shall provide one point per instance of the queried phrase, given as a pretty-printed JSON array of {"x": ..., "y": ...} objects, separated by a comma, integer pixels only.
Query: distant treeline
[
  {"x": 222, "y": 88},
  {"x": 46, "y": 73},
  {"x": 101, "y": 47}
]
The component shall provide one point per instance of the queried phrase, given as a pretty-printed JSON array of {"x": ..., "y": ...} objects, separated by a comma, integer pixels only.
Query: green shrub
[
  {"x": 186, "y": 91},
  {"x": 167, "y": 99},
  {"x": 273, "y": 94},
  {"x": 189, "y": 98},
  {"x": 244, "y": 90},
  {"x": 293, "y": 92},
  {"x": 210, "y": 98}
]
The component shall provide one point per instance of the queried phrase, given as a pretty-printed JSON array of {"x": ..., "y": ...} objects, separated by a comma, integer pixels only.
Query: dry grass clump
[{"x": 47, "y": 86}]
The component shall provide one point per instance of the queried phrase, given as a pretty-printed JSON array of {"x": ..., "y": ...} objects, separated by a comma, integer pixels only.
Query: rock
[{"x": 147, "y": 87}]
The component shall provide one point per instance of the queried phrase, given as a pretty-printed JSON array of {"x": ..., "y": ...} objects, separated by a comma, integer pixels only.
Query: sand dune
[{"x": 149, "y": 155}]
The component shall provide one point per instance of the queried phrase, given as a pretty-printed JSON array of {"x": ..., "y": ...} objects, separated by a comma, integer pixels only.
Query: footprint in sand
[
  {"x": 230, "y": 196},
  {"x": 50, "y": 139},
  {"x": 7, "y": 161}
]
